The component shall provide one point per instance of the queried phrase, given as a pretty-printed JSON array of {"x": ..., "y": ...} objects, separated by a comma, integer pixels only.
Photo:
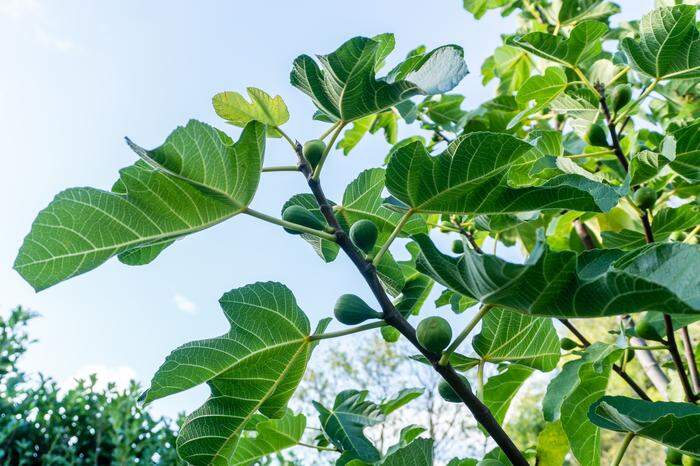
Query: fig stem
[
  {"x": 348, "y": 331},
  {"x": 288, "y": 225},
  {"x": 444, "y": 359},
  {"x": 392, "y": 236}
]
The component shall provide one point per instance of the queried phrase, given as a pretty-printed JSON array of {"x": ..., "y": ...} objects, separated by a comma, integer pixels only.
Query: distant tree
[{"x": 42, "y": 424}]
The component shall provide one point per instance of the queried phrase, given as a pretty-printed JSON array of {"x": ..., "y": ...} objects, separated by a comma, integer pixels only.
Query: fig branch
[
  {"x": 394, "y": 318},
  {"x": 645, "y": 202}
]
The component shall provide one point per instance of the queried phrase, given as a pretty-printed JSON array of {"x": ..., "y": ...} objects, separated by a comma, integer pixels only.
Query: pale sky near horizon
[{"x": 79, "y": 76}]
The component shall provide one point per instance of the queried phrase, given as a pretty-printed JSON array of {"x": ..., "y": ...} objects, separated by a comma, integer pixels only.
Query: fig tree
[
  {"x": 351, "y": 310},
  {"x": 447, "y": 392},
  {"x": 301, "y": 216},
  {"x": 434, "y": 334},
  {"x": 364, "y": 234},
  {"x": 645, "y": 198},
  {"x": 313, "y": 150}
]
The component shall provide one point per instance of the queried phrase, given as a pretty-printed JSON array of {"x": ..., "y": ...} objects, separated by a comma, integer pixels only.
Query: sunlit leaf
[
  {"x": 574, "y": 11},
  {"x": 511, "y": 336},
  {"x": 669, "y": 44},
  {"x": 401, "y": 399},
  {"x": 233, "y": 107},
  {"x": 196, "y": 179},
  {"x": 552, "y": 445},
  {"x": 687, "y": 161},
  {"x": 345, "y": 87},
  {"x": 254, "y": 367}
]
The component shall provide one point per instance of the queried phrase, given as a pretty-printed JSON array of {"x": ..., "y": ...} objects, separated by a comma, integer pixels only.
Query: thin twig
[
  {"x": 690, "y": 357},
  {"x": 677, "y": 361}
]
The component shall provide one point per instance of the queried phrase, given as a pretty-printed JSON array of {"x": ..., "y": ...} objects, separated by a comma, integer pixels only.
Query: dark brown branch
[
  {"x": 677, "y": 361},
  {"x": 617, "y": 149},
  {"x": 583, "y": 234},
  {"x": 690, "y": 357},
  {"x": 470, "y": 237},
  {"x": 395, "y": 319}
]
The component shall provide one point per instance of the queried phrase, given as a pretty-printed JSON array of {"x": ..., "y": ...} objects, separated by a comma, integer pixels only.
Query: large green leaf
[
  {"x": 568, "y": 284},
  {"x": 687, "y": 161},
  {"x": 345, "y": 422},
  {"x": 511, "y": 336},
  {"x": 363, "y": 200},
  {"x": 676, "y": 425},
  {"x": 574, "y": 11},
  {"x": 417, "y": 453},
  {"x": 196, "y": 179},
  {"x": 668, "y": 45},
  {"x": 540, "y": 90},
  {"x": 270, "y": 436},
  {"x": 475, "y": 175},
  {"x": 345, "y": 86},
  {"x": 254, "y": 367},
  {"x": 583, "y": 43},
  {"x": 500, "y": 389},
  {"x": 571, "y": 393},
  {"x": 232, "y": 107},
  {"x": 479, "y": 7}
]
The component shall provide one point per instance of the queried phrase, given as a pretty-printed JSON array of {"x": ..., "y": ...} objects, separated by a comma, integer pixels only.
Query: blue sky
[{"x": 79, "y": 76}]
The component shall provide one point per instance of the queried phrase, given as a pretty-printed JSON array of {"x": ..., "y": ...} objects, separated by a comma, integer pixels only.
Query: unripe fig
[
  {"x": 458, "y": 246},
  {"x": 647, "y": 331},
  {"x": 645, "y": 198},
  {"x": 677, "y": 236},
  {"x": 351, "y": 310},
  {"x": 434, "y": 333},
  {"x": 673, "y": 457},
  {"x": 301, "y": 216},
  {"x": 621, "y": 96},
  {"x": 364, "y": 234},
  {"x": 596, "y": 136},
  {"x": 567, "y": 344},
  {"x": 313, "y": 150},
  {"x": 447, "y": 393},
  {"x": 390, "y": 334},
  {"x": 689, "y": 461}
]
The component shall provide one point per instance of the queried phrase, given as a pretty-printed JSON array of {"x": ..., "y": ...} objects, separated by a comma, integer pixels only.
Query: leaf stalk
[
  {"x": 385, "y": 247},
  {"x": 445, "y": 358}
]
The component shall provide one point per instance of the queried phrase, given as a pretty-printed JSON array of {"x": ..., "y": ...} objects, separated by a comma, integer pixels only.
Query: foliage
[
  {"x": 596, "y": 184},
  {"x": 86, "y": 424}
]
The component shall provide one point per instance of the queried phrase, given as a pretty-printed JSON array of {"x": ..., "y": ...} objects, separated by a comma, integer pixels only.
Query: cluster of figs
[{"x": 433, "y": 333}]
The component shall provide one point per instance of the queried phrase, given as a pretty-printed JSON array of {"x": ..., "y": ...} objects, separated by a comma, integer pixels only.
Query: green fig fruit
[
  {"x": 434, "y": 334},
  {"x": 364, "y": 234},
  {"x": 645, "y": 198},
  {"x": 596, "y": 136},
  {"x": 690, "y": 461},
  {"x": 301, "y": 216},
  {"x": 673, "y": 457},
  {"x": 313, "y": 151},
  {"x": 352, "y": 310},
  {"x": 447, "y": 392},
  {"x": 647, "y": 331},
  {"x": 568, "y": 344},
  {"x": 621, "y": 96},
  {"x": 458, "y": 246},
  {"x": 677, "y": 236},
  {"x": 390, "y": 334}
]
